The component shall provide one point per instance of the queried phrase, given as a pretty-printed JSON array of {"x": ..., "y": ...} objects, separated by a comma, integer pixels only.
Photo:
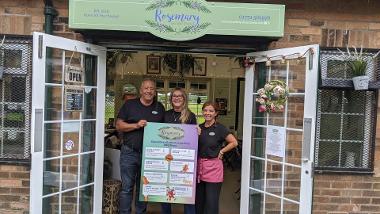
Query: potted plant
[
  {"x": 179, "y": 63},
  {"x": 357, "y": 62}
]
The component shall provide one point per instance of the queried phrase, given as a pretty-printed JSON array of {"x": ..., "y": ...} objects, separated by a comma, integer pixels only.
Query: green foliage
[
  {"x": 356, "y": 60},
  {"x": 186, "y": 63},
  {"x": 114, "y": 57},
  {"x": 161, "y": 4},
  {"x": 160, "y": 27},
  {"x": 195, "y": 28},
  {"x": 357, "y": 67},
  {"x": 196, "y": 5}
]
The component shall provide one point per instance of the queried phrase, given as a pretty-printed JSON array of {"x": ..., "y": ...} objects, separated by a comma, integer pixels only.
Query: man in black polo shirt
[{"x": 132, "y": 118}]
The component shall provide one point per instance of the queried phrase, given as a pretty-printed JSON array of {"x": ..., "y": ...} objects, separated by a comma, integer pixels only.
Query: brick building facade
[{"x": 331, "y": 23}]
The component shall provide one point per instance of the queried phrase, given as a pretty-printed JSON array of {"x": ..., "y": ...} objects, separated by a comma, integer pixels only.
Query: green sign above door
[{"x": 178, "y": 20}]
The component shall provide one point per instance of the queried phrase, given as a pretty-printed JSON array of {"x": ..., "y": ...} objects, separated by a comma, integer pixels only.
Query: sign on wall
[
  {"x": 179, "y": 20},
  {"x": 168, "y": 169}
]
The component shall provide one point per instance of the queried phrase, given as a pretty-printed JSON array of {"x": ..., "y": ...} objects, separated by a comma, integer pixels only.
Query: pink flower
[
  {"x": 262, "y": 108},
  {"x": 260, "y": 100}
]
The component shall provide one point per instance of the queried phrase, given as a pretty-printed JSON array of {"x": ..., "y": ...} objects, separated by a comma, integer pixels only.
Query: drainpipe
[{"x": 50, "y": 13}]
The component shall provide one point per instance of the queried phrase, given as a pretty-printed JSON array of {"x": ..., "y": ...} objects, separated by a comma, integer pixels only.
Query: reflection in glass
[
  {"x": 52, "y": 142},
  {"x": 53, "y": 102},
  {"x": 87, "y": 168},
  {"x": 290, "y": 208},
  {"x": 54, "y": 68},
  {"x": 69, "y": 172},
  {"x": 295, "y": 112},
  {"x": 255, "y": 202},
  {"x": 276, "y": 118},
  {"x": 258, "y": 117},
  {"x": 293, "y": 149},
  {"x": 89, "y": 103},
  {"x": 88, "y": 136},
  {"x": 70, "y": 133},
  {"x": 277, "y": 71},
  {"x": 258, "y": 140},
  {"x": 257, "y": 174},
  {"x": 90, "y": 70},
  {"x": 292, "y": 182},
  {"x": 273, "y": 179},
  {"x": 69, "y": 202},
  {"x": 51, "y": 176},
  {"x": 272, "y": 204},
  {"x": 50, "y": 205},
  {"x": 297, "y": 77},
  {"x": 86, "y": 199}
]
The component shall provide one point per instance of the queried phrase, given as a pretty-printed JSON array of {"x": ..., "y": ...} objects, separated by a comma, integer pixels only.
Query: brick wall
[
  {"x": 334, "y": 23},
  {"x": 325, "y": 22},
  {"x": 14, "y": 189}
]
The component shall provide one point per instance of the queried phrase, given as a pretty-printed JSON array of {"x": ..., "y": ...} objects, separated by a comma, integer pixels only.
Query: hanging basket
[{"x": 361, "y": 82}]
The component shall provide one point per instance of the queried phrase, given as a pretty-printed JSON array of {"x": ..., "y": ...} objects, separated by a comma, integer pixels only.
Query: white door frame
[
  {"x": 311, "y": 53},
  {"x": 40, "y": 42}
]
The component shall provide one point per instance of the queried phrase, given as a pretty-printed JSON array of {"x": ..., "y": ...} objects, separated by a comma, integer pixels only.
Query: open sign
[{"x": 74, "y": 74}]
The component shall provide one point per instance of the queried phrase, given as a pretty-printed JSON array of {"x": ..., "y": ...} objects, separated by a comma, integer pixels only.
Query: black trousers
[{"x": 207, "y": 198}]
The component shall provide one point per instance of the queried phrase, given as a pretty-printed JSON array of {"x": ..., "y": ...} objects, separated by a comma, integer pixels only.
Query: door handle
[
  {"x": 306, "y": 141},
  {"x": 38, "y": 117}
]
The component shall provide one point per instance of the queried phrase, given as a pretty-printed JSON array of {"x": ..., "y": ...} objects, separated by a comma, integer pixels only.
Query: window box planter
[{"x": 335, "y": 73}]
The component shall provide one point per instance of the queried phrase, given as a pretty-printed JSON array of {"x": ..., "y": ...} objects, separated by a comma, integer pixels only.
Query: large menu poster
[{"x": 168, "y": 169}]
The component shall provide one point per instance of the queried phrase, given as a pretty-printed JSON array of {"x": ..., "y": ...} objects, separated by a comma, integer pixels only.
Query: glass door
[
  {"x": 278, "y": 147},
  {"x": 68, "y": 96}
]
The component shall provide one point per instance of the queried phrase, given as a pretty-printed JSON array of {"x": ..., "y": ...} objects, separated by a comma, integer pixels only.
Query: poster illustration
[{"x": 168, "y": 170}]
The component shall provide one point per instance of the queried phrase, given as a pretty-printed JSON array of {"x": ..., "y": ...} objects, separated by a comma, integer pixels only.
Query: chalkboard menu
[{"x": 73, "y": 98}]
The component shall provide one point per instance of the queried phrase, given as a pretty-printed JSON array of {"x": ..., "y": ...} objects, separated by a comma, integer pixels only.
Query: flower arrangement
[{"x": 273, "y": 96}]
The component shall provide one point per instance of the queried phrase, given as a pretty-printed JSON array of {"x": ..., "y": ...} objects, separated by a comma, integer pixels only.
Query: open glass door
[
  {"x": 278, "y": 148},
  {"x": 68, "y": 96}
]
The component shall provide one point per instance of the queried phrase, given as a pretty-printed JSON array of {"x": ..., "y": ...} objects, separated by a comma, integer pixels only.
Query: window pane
[
  {"x": 344, "y": 132},
  {"x": 12, "y": 58},
  {"x": 160, "y": 84}
]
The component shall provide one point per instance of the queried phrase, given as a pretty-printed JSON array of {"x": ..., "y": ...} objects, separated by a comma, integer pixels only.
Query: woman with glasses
[
  {"x": 180, "y": 114},
  {"x": 210, "y": 154}
]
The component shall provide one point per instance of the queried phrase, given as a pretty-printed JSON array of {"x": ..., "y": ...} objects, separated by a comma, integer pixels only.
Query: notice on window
[
  {"x": 275, "y": 141},
  {"x": 73, "y": 98},
  {"x": 169, "y": 163},
  {"x": 74, "y": 74}
]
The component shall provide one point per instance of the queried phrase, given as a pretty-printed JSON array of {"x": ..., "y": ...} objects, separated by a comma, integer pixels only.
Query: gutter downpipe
[{"x": 50, "y": 12}]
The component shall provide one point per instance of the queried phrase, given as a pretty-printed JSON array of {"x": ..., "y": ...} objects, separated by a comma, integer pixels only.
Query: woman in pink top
[{"x": 210, "y": 164}]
